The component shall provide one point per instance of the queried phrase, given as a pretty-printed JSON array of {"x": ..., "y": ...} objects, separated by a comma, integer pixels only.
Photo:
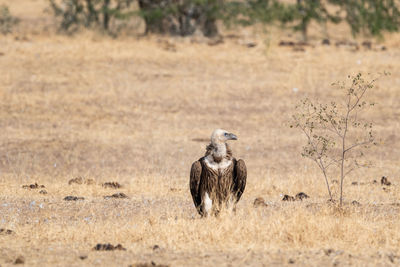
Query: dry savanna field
[{"x": 136, "y": 111}]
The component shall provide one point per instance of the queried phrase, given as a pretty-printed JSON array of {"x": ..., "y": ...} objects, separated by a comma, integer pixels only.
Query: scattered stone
[
  {"x": 326, "y": 42},
  {"x": 385, "y": 181},
  {"x": 287, "y": 43},
  {"x": 19, "y": 260},
  {"x": 346, "y": 43},
  {"x": 108, "y": 247},
  {"x": 291, "y": 261},
  {"x": 328, "y": 251},
  {"x": 83, "y": 257},
  {"x": 156, "y": 247},
  {"x": 33, "y": 186},
  {"x": 116, "y": 195},
  {"x": 73, "y": 198},
  {"x": 301, "y": 196},
  {"x": 251, "y": 44},
  {"x": 367, "y": 44},
  {"x": 43, "y": 192},
  {"x": 288, "y": 198},
  {"x": 354, "y": 183},
  {"x": 355, "y": 203},
  {"x": 112, "y": 185},
  {"x": 374, "y": 181},
  {"x": 259, "y": 202},
  {"x": 77, "y": 180},
  {"x": 386, "y": 189},
  {"x": 151, "y": 264},
  {"x": 174, "y": 189},
  {"x": 382, "y": 48},
  {"x": 80, "y": 180},
  {"x": 6, "y": 231}
]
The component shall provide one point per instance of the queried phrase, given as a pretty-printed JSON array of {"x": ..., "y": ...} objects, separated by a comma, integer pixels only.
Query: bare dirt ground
[{"x": 139, "y": 110}]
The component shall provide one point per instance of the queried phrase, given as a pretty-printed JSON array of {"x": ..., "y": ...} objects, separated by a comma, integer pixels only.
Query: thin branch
[{"x": 358, "y": 144}]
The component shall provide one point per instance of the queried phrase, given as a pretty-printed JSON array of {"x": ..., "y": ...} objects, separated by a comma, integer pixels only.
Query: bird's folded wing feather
[
  {"x": 195, "y": 174},
  {"x": 240, "y": 178}
]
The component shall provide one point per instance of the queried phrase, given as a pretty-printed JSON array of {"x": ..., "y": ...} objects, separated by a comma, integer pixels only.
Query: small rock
[
  {"x": 301, "y": 196},
  {"x": 150, "y": 264},
  {"x": 83, "y": 257},
  {"x": 80, "y": 180},
  {"x": 251, "y": 44},
  {"x": 172, "y": 189},
  {"x": 43, "y": 192},
  {"x": 374, "y": 181},
  {"x": 33, "y": 186},
  {"x": 291, "y": 261},
  {"x": 385, "y": 181},
  {"x": 355, "y": 203},
  {"x": 287, "y": 198},
  {"x": 326, "y": 42},
  {"x": 114, "y": 185},
  {"x": 259, "y": 202},
  {"x": 108, "y": 247},
  {"x": 19, "y": 260},
  {"x": 73, "y": 198},
  {"x": 367, "y": 44},
  {"x": 328, "y": 251},
  {"x": 354, "y": 183},
  {"x": 116, "y": 195},
  {"x": 77, "y": 180},
  {"x": 156, "y": 247},
  {"x": 6, "y": 231},
  {"x": 286, "y": 43}
]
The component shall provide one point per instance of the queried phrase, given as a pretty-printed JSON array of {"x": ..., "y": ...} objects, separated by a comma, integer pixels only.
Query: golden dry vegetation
[{"x": 133, "y": 109}]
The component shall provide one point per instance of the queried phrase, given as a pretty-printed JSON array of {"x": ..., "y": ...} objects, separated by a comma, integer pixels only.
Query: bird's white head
[{"x": 220, "y": 136}]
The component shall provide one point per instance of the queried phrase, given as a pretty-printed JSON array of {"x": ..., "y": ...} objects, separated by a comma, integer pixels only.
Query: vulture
[{"x": 217, "y": 180}]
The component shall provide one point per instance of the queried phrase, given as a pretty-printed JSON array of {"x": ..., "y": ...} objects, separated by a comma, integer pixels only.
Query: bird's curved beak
[{"x": 232, "y": 136}]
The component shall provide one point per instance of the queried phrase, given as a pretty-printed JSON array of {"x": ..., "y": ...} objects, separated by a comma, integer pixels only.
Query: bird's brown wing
[
  {"x": 240, "y": 176},
  {"x": 195, "y": 175}
]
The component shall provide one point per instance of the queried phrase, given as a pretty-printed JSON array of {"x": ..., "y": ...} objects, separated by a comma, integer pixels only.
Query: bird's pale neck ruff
[
  {"x": 217, "y": 159},
  {"x": 219, "y": 150}
]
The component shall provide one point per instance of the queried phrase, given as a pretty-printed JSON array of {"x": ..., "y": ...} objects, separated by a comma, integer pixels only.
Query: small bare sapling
[{"x": 337, "y": 133}]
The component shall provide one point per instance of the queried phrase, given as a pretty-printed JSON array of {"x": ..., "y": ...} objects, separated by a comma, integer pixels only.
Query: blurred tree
[
  {"x": 185, "y": 17},
  {"x": 90, "y": 13},
  {"x": 7, "y": 21},
  {"x": 181, "y": 17},
  {"x": 372, "y": 16}
]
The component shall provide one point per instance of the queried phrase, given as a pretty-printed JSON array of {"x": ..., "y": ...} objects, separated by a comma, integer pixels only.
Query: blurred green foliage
[
  {"x": 90, "y": 13},
  {"x": 185, "y": 17},
  {"x": 7, "y": 21}
]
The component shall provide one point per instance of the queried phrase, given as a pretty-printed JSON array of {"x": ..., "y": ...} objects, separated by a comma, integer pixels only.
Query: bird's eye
[{"x": 226, "y": 134}]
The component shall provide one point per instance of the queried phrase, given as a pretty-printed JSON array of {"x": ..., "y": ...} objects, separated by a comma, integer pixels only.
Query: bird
[{"x": 217, "y": 180}]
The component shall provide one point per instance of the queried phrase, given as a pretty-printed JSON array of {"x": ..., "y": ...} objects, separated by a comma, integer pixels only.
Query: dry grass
[{"x": 127, "y": 110}]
